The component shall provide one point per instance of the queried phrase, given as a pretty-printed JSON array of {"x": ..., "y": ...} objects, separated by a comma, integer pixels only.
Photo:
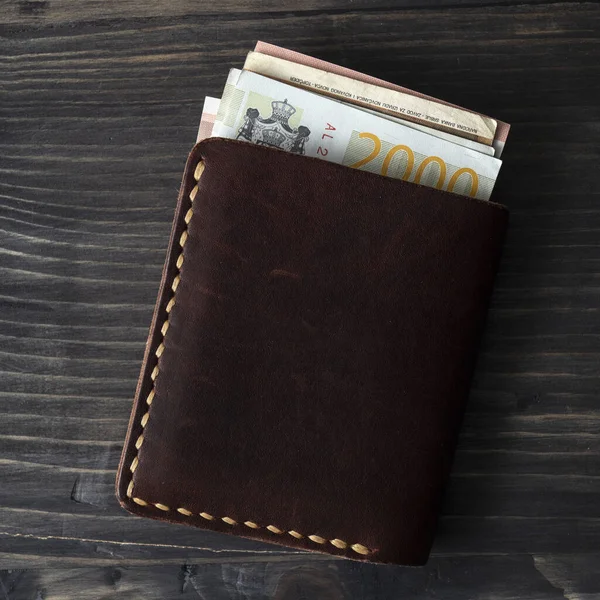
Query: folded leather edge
[{"x": 124, "y": 473}]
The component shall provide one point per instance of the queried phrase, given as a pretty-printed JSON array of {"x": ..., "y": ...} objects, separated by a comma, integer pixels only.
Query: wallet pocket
[{"x": 310, "y": 354}]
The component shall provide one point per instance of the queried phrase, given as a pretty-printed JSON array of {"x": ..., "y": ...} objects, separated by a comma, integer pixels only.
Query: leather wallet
[{"x": 310, "y": 354}]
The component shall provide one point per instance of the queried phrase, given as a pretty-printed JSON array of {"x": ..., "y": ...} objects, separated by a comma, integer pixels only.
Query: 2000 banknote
[{"x": 267, "y": 112}]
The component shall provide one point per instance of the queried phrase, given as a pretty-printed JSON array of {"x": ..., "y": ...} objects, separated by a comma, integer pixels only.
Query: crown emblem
[
  {"x": 275, "y": 130},
  {"x": 282, "y": 111}
]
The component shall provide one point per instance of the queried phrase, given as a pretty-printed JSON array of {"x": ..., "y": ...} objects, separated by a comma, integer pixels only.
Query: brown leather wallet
[{"x": 310, "y": 354}]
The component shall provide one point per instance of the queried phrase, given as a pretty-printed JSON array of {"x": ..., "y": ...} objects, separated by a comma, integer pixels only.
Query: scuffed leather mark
[{"x": 284, "y": 273}]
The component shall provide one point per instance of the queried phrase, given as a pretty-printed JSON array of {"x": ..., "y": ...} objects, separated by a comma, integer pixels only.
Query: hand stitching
[{"x": 317, "y": 539}]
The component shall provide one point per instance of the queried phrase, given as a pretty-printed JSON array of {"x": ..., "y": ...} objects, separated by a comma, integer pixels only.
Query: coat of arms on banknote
[{"x": 275, "y": 130}]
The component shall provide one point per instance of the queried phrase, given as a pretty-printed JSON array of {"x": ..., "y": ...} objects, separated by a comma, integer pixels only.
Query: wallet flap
[{"x": 310, "y": 354}]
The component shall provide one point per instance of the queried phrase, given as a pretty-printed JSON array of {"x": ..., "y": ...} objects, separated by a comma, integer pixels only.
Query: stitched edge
[{"x": 317, "y": 539}]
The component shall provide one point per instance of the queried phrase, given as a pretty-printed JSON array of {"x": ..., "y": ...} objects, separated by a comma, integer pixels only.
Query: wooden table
[{"x": 100, "y": 105}]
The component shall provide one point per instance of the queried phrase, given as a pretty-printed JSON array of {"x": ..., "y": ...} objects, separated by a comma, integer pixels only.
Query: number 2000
[{"x": 411, "y": 163}]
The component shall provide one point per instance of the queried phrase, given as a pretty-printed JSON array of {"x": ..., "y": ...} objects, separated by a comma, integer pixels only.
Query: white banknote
[
  {"x": 211, "y": 108},
  {"x": 263, "y": 111}
]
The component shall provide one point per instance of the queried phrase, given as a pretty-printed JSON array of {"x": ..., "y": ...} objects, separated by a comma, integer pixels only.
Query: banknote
[
  {"x": 392, "y": 102},
  {"x": 502, "y": 129},
  {"x": 267, "y": 112},
  {"x": 207, "y": 120},
  {"x": 211, "y": 108},
  {"x": 483, "y": 148}
]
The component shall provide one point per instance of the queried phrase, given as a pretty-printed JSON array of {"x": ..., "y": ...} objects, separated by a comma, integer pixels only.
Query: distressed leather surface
[{"x": 318, "y": 354}]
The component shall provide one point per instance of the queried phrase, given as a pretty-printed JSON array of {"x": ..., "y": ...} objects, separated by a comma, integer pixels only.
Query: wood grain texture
[
  {"x": 46, "y": 12},
  {"x": 506, "y": 578},
  {"x": 99, "y": 107}
]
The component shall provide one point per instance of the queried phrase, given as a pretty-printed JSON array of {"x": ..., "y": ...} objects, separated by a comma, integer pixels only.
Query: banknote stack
[{"x": 307, "y": 106}]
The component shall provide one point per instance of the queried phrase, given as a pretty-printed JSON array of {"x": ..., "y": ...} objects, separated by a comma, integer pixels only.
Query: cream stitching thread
[{"x": 317, "y": 539}]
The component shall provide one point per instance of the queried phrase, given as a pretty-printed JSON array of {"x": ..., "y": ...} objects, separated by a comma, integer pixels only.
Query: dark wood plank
[
  {"x": 535, "y": 578},
  {"x": 47, "y": 12},
  {"x": 96, "y": 120}
]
